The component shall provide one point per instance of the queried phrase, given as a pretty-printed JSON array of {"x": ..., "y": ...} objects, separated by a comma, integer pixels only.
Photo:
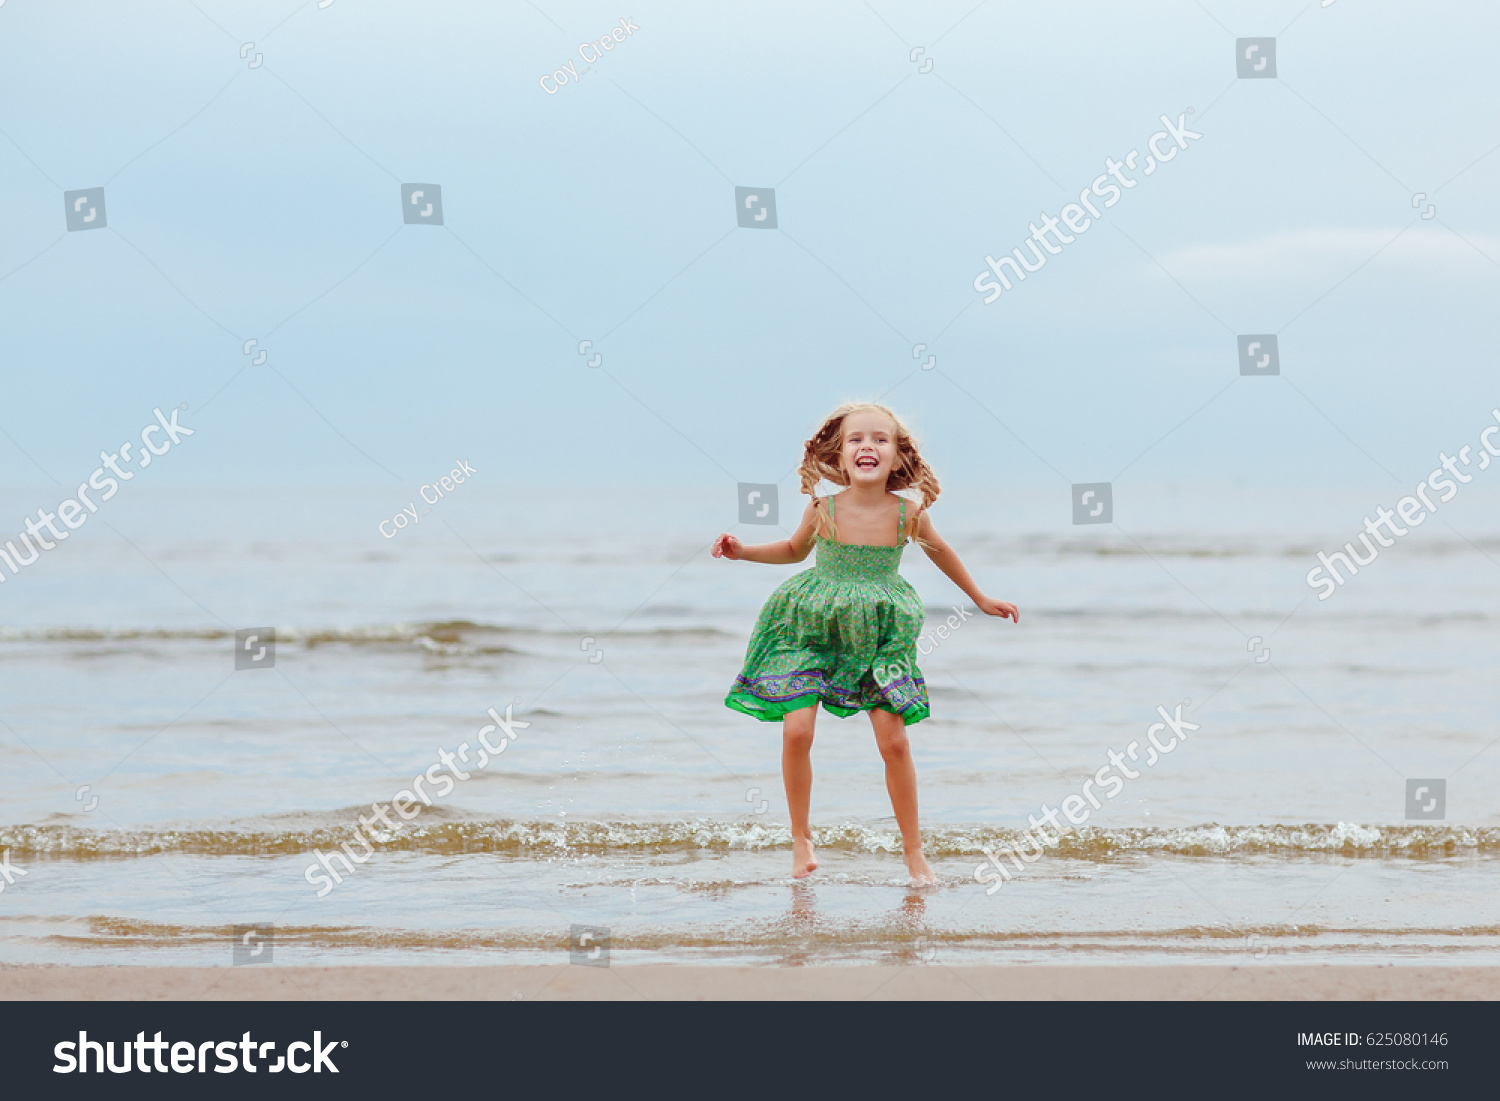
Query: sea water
[{"x": 156, "y": 800}]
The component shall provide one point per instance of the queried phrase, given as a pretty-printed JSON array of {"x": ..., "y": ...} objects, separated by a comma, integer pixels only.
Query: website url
[{"x": 1377, "y": 1064}]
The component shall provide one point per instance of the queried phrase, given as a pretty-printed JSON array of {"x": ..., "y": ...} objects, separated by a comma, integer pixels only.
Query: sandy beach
[{"x": 686, "y": 983}]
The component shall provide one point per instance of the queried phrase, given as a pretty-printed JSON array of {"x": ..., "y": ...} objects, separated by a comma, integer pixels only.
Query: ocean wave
[
  {"x": 457, "y": 634},
  {"x": 459, "y": 637},
  {"x": 520, "y": 838},
  {"x": 790, "y": 933}
]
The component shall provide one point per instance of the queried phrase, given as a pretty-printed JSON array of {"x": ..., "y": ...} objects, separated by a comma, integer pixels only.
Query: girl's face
[{"x": 868, "y": 450}]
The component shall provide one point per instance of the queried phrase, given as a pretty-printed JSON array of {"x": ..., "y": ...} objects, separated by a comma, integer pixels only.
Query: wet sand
[{"x": 934, "y": 982}]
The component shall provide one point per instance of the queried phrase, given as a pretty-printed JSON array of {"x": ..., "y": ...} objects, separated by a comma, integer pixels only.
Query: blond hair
[{"x": 821, "y": 459}]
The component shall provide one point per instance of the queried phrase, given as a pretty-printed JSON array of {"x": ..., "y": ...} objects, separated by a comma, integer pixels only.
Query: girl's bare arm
[
  {"x": 946, "y": 559},
  {"x": 782, "y": 552}
]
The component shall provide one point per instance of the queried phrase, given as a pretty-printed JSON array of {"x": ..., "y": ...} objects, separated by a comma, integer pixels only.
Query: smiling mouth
[{"x": 866, "y": 462}]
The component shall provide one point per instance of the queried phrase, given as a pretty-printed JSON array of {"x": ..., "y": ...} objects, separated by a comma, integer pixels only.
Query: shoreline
[{"x": 672, "y": 982}]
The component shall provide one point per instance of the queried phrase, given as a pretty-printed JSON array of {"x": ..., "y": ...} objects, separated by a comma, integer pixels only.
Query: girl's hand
[
  {"x": 727, "y": 546},
  {"x": 1000, "y": 608}
]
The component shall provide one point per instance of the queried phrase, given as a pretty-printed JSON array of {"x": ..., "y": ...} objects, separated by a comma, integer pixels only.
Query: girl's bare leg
[
  {"x": 901, "y": 782},
  {"x": 796, "y": 775}
]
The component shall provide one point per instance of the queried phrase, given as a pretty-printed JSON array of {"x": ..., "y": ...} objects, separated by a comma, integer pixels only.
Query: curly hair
[{"x": 821, "y": 458}]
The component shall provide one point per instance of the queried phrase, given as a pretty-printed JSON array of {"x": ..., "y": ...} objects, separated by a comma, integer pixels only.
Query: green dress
[{"x": 843, "y": 633}]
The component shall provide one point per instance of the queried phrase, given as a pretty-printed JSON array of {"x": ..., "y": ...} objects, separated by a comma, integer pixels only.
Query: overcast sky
[{"x": 260, "y": 197}]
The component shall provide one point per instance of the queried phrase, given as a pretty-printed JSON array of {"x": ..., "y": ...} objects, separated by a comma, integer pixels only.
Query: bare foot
[
  {"x": 922, "y": 874},
  {"x": 804, "y": 862}
]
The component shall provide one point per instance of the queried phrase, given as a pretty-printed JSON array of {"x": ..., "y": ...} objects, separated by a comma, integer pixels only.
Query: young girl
[{"x": 844, "y": 633}]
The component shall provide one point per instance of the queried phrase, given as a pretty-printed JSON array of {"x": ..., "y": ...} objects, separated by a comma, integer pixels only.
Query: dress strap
[
  {"x": 829, "y": 499},
  {"x": 901, "y": 524}
]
